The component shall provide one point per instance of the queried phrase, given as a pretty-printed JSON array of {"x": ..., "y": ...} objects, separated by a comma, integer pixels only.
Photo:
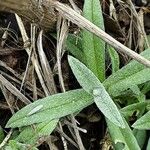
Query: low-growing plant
[{"x": 127, "y": 86}]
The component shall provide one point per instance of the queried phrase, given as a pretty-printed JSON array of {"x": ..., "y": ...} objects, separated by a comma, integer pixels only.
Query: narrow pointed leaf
[
  {"x": 127, "y": 70},
  {"x": 14, "y": 145},
  {"x": 53, "y": 107},
  {"x": 141, "y": 136},
  {"x": 136, "y": 107},
  {"x": 132, "y": 74},
  {"x": 115, "y": 62},
  {"x": 30, "y": 134},
  {"x": 94, "y": 47},
  {"x": 122, "y": 137},
  {"x": 92, "y": 85},
  {"x": 73, "y": 45},
  {"x": 135, "y": 79},
  {"x": 143, "y": 122}
]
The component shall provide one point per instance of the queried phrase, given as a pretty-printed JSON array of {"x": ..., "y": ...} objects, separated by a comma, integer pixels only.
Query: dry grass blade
[
  {"x": 35, "y": 88},
  {"x": 27, "y": 68},
  {"x": 141, "y": 40},
  {"x": 66, "y": 137},
  {"x": 34, "y": 61},
  {"x": 73, "y": 126},
  {"x": 29, "y": 86},
  {"x": 62, "y": 31},
  {"x": 5, "y": 35},
  {"x": 47, "y": 72},
  {"x": 14, "y": 90},
  {"x": 140, "y": 24},
  {"x": 3, "y": 64},
  {"x": 9, "y": 98},
  {"x": 76, "y": 18},
  {"x": 4, "y": 106},
  {"x": 75, "y": 7}
]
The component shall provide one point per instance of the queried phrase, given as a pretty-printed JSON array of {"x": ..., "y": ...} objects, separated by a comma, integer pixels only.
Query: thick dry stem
[{"x": 31, "y": 10}]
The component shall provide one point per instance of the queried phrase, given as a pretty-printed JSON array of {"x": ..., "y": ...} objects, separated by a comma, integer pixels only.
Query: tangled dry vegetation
[{"x": 36, "y": 38}]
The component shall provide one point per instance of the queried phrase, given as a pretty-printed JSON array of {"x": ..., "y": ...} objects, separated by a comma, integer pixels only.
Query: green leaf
[
  {"x": 148, "y": 145},
  {"x": 115, "y": 62},
  {"x": 94, "y": 47},
  {"x": 133, "y": 73},
  {"x": 31, "y": 134},
  {"x": 73, "y": 45},
  {"x": 1, "y": 134},
  {"x": 140, "y": 136},
  {"x": 146, "y": 87},
  {"x": 138, "y": 94},
  {"x": 143, "y": 122},
  {"x": 122, "y": 137},
  {"x": 136, "y": 107},
  {"x": 93, "y": 86},
  {"x": 135, "y": 79},
  {"x": 14, "y": 145},
  {"x": 51, "y": 107}
]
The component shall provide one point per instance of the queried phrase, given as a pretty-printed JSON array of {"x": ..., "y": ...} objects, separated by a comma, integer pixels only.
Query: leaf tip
[
  {"x": 71, "y": 59},
  {"x": 8, "y": 125},
  {"x": 137, "y": 125}
]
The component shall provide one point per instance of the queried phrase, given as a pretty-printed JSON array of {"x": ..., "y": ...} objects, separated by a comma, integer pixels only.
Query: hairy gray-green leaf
[
  {"x": 94, "y": 47},
  {"x": 14, "y": 145},
  {"x": 134, "y": 108},
  {"x": 135, "y": 79},
  {"x": 115, "y": 62},
  {"x": 31, "y": 134},
  {"x": 92, "y": 85},
  {"x": 138, "y": 94},
  {"x": 148, "y": 145},
  {"x": 73, "y": 45},
  {"x": 140, "y": 136},
  {"x": 53, "y": 107},
  {"x": 143, "y": 122},
  {"x": 133, "y": 73},
  {"x": 122, "y": 137},
  {"x": 146, "y": 88}
]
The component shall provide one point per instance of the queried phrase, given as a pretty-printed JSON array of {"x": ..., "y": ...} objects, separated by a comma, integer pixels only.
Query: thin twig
[{"x": 46, "y": 69}]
